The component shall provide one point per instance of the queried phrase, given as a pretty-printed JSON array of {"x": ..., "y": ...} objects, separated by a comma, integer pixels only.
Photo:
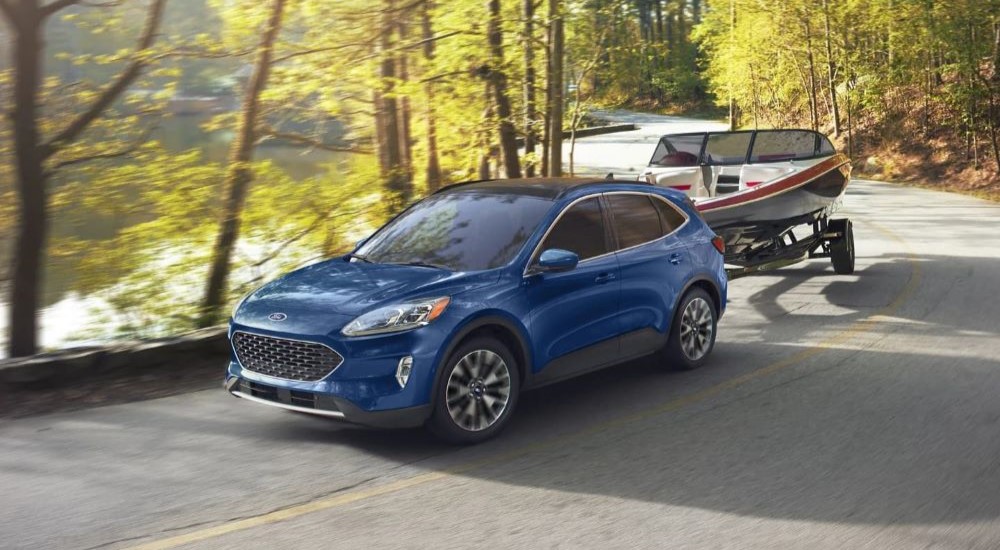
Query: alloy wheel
[
  {"x": 697, "y": 326},
  {"x": 478, "y": 390}
]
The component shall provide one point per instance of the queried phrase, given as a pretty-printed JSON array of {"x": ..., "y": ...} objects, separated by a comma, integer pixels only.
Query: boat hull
[{"x": 784, "y": 203}]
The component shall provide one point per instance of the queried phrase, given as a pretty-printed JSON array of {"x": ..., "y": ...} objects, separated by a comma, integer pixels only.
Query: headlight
[{"x": 397, "y": 317}]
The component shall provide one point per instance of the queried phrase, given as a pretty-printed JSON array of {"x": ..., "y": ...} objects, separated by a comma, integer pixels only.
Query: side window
[
  {"x": 670, "y": 218},
  {"x": 636, "y": 220},
  {"x": 781, "y": 145},
  {"x": 727, "y": 148},
  {"x": 682, "y": 150},
  {"x": 580, "y": 230}
]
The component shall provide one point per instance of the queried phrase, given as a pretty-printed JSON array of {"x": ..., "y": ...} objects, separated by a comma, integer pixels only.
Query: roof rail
[{"x": 461, "y": 184}]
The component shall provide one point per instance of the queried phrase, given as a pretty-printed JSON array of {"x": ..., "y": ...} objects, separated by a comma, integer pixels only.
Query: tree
[
  {"x": 530, "y": 114},
  {"x": 433, "y": 173},
  {"x": 34, "y": 152},
  {"x": 239, "y": 174},
  {"x": 498, "y": 84},
  {"x": 555, "y": 86}
]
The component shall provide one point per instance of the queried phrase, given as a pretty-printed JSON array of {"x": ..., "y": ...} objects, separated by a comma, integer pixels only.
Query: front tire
[
  {"x": 692, "y": 333},
  {"x": 476, "y": 392}
]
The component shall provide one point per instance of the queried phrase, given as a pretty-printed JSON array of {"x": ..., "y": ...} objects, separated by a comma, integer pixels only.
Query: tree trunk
[
  {"x": 527, "y": 42},
  {"x": 32, "y": 226},
  {"x": 433, "y": 163},
  {"x": 392, "y": 170},
  {"x": 239, "y": 173},
  {"x": 547, "y": 114},
  {"x": 831, "y": 70},
  {"x": 813, "y": 98},
  {"x": 682, "y": 35},
  {"x": 405, "y": 133},
  {"x": 733, "y": 123},
  {"x": 659, "y": 23},
  {"x": 498, "y": 81},
  {"x": 555, "y": 81},
  {"x": 668, "y": 32}
]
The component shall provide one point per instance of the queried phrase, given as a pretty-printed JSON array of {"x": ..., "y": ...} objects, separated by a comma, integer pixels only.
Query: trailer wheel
[{"x": 842, "y": 249}]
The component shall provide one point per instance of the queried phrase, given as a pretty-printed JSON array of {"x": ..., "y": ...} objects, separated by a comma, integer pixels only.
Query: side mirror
[{"x": 557, "y": 259}]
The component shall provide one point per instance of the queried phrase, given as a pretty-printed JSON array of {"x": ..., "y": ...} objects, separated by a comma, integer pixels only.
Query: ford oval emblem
[{"x": 277, "y": 317}]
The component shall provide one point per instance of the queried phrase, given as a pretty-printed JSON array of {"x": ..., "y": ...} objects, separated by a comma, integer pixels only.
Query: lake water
[{"x": 65, "y": 312}]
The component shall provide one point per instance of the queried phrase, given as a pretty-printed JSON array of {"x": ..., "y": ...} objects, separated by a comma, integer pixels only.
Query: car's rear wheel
[
  {"x": 692, "y": 334},
  {"x": 476, "y": 392},
  {"x": 842, "y": 249}
]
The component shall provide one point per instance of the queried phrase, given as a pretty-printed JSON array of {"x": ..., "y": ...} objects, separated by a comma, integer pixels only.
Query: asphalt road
[{"x": 854, "y": 411}]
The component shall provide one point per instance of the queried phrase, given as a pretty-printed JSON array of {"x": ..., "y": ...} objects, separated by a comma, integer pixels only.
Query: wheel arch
[
  {"x": 495, "y": 325},
  {"x": 706, "y": 284}
]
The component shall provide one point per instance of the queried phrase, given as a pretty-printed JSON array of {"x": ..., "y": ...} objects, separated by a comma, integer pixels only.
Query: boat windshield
[{"x": 742, "y": 147}]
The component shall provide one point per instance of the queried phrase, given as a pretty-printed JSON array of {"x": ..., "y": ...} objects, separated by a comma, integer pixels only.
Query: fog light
[{"x": 403, "y": 370}]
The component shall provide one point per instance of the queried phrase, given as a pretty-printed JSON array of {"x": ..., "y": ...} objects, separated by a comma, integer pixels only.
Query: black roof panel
[{"x": 550, "y": 188}]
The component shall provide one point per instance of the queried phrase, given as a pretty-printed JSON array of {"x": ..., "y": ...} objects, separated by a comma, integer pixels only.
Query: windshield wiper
[{"x": 361, "y": 257}]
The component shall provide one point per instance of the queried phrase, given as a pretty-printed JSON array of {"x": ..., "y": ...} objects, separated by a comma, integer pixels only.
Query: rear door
[{"x": 654, "y": 264}]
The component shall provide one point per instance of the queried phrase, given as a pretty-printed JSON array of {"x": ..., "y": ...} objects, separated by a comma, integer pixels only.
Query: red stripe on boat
[
  {"x": 681, "y": 187},
  {"x": 774, "y": 188}
]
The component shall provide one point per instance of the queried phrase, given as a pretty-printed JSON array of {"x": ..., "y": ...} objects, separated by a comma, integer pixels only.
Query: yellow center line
[{"x": 340, "y": 499}]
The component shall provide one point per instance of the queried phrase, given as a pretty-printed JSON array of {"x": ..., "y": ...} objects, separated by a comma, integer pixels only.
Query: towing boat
[{"x": 757, "y": 188}]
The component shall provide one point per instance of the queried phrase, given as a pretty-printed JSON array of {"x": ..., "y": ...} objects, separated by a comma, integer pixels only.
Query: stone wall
[{"x": 208, "y": 347}]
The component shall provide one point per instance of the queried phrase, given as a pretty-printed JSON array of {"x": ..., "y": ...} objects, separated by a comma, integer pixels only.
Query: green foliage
[
  {"x": 136, "y": 200},
  {"x": 900, "y": 67}
]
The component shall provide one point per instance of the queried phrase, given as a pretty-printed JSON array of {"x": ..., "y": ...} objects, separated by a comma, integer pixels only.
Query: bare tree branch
[
  {"x": 57, "y": 5},
  {"x": 266, "y": 132},
  {"x": 117, "y": 87},
  {"x": 401, "y": 47},
  {"x": 202, "y": 54},
  {"x": 125, "y": 151},
  {"x": 319, "y": 50},
  {"x": 109, "y": 4}
]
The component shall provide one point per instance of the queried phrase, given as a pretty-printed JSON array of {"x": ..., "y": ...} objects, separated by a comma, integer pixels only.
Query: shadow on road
[{"x": 875, "y": 436}]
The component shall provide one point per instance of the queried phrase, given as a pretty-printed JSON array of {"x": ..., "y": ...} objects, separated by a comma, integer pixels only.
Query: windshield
[{"x": 462, "y": 231}]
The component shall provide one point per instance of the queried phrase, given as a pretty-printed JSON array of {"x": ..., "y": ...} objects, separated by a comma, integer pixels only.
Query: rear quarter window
[{"x": 670, "y": 218}]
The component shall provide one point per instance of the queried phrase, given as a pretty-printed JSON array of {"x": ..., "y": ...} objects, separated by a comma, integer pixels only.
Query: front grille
[{"x": 282, "y": 358}]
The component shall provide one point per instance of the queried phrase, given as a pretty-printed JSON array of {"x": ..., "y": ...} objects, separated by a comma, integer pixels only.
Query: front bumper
[
  {"x": 363, "y": 388},
  {"x": 326, "y": 405}
]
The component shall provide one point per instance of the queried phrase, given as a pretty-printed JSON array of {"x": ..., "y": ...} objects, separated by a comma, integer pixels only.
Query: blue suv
[{"x": 477, "y": 293}]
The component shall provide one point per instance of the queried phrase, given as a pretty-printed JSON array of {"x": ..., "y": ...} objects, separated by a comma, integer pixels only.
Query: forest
[{"x": 161, "y": 158}]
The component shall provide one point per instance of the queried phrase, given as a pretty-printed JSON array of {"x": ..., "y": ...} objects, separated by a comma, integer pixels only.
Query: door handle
[
  {"x": 676, "y": 258},
  {"x": 604, "y": 278}
]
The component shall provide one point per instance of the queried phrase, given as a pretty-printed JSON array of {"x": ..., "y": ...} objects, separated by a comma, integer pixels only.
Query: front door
[{"x": 574, "y": 315}]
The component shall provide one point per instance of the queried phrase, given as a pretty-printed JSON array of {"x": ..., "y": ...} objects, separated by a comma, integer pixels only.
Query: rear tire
[
  {"x": 692, "y": 333},
  {"x": 476, "y": 392},
  {"x": 842, "y": 249}
]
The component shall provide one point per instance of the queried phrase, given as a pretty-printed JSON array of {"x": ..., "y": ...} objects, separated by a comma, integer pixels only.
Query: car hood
[{"x": 325, "y": 296}]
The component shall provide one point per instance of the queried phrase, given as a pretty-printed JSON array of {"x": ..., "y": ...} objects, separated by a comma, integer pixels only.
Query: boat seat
[{"x": 754, "y": 174}]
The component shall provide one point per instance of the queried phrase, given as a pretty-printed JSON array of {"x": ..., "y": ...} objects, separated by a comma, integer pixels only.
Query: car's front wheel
[
  {"x": 476, "y": 392},
  {"x": 692, "y": 334}
]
